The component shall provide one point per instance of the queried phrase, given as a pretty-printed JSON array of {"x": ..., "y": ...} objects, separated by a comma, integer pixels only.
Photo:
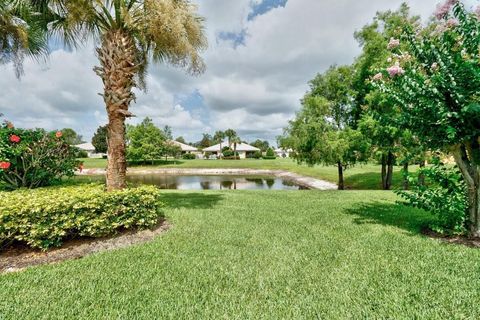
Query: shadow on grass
[
  {"x": 387, "y": 214},
  {"x": 191, "y": 200}
]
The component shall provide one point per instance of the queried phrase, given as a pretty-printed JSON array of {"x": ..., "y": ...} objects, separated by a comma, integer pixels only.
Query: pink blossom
[
  {"x": 395, "y": 70},
  {"x": 393, "y": 43},
  {"x": 58, "y": 134},
  {"x": 452, "y": 23},
  {"x": 442, "y": 10},
  {"x": 378, "y": 76}
]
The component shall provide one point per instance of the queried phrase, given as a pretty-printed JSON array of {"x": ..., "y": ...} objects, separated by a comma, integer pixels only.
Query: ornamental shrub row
[{"x": 45, "y": 217}]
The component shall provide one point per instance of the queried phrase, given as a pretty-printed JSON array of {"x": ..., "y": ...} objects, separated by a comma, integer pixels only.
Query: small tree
[
  {"x": 99, "y": 140},
  {"x": 436, "y": 85},
  {"x": 71, "y": 137},
  {"x": 145, "y": 141}
]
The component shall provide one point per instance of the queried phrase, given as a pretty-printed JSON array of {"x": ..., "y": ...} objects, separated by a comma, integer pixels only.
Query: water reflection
[{"x": 228, "y": 182}]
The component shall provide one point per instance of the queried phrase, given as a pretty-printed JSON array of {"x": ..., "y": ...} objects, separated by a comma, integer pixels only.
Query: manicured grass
[
  {"x": 360, "y": 177},
  {"x": 263, "y": 255}
]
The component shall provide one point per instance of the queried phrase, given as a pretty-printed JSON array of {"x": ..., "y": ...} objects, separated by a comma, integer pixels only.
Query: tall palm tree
[
  {"x": 23, "y": 32},
  {"x": 130, "y": 33},
  {"x": 235, "y": 140},
  {"x": 230, "y": 134},
  {"x": 218, "y": 138}
]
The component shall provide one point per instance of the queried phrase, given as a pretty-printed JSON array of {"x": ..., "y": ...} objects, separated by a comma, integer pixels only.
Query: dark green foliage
[
  {"x": 45, "y": 217},
  {"x": 270, "y": 154},
  {"x": 262, "y": 145},
  {"x": 445, "y": 197},
  {"x": 81, "y": 154},
  {"x": 99, "y": 140},
  {"x": 71, "y": 137},
  {"x": 189, "y": 156},
  {"x": 35, "y": 158}
]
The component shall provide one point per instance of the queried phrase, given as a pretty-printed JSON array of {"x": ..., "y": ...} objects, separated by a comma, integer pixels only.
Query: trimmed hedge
[{"x": 43, "y": 218}]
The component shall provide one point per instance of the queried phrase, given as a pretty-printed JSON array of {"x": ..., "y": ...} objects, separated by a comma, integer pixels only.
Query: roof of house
[
  {"x": 85, "y": 146},
  {"x": 185, "y": 147},
  {"x": 240, "y": 147}
]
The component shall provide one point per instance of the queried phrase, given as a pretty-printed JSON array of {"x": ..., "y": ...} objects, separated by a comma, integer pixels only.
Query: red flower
[
  {"x": 59, "y": 134},
  {"x": 5, "y": 165},
  {"x": 14, "y": 138}
]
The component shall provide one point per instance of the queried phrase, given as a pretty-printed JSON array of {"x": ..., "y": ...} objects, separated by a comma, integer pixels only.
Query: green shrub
[
  {"x": 445, "y": 196},
  {"x": 81, "y": 154},
  {"x": 257, "y": 155},
  {"x": 189, "y": 156},
  {"x": 33, "y": 158},
  {"x": 270, "y": 154},
  {"x": 44, "y": 217}
]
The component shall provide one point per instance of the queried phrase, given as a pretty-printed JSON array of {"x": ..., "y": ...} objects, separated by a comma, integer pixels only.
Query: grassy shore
[
  {"x": 360, "y": 177},
  {"x": 263, "y": 255}
]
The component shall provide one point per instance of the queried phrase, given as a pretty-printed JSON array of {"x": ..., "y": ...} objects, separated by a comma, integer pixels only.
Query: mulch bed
[
  {"x": 459, "y": 240},
  {"x": 18, "y": 258}
]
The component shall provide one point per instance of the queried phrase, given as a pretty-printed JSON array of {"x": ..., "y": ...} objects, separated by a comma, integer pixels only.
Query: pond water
[{"x": 210, "y": 182}]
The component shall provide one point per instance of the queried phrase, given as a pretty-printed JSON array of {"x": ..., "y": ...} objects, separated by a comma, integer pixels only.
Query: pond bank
[{"x": 309, "y": 182}]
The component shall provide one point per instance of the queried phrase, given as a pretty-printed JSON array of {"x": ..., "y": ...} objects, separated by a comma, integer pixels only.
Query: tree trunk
[
  {"x": 341, "y": 183},
  {"x": 421, "y": 176},
  {"x": 118, "y": 66},
  {"x": 467, "y": 159},
  {"x": 389, "y": 178},
  {"x": 406, "y": 184},
  {"x": 384, "y": 171}
]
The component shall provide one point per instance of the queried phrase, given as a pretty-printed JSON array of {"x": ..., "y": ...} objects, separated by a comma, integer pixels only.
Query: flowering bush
[
  {"x": 33, "y": 158},
  {"x": 45, "y": 217}
]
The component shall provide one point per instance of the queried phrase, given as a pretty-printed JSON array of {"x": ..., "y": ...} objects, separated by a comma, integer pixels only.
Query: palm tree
[
  {"x": 23, "y": 32},
  {"x": 129, "y": 34},
  {"x": 235, "y": 140},
  {"x": 218, "y": 138},
  {"x": 230, "y": 134}
]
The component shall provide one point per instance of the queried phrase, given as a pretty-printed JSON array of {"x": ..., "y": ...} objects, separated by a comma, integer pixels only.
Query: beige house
[
  {"x": 90, "y": 150},
  {"x": 186, "y": 148},
  {"x": 244, "y": 150}
]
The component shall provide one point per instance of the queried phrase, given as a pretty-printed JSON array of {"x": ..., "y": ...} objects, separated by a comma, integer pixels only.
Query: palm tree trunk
[{"x": 118, "y": 66}]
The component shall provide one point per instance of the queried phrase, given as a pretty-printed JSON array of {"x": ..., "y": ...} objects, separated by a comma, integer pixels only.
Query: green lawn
[
  {"x": 263, "y": 255},
  {"x": 360, "y": 177}
]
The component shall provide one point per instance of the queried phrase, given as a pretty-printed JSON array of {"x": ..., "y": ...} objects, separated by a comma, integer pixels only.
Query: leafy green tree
[
  {"x": 168, "y": 132},
  {"x": 373, "y": 111},
  {"x": 235, "y": 140},
  {"x": 206, "y": 141},
  {"x": 129, "y": 34},
  {"x": 262, "y": 145},
  {"x": 438, "y": 91},
  {"x": 316, "y": 140},
  {"x": 146, "y": 142},
  {"x": 169, "y": 149},
  {"x": 181, "y": 140},
  {"x": 99, "y": 140},
  {"x": 71, "y": 137}
]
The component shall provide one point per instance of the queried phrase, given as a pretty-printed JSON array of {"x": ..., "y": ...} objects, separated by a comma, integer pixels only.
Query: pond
[{"x": 210, "y": 182}]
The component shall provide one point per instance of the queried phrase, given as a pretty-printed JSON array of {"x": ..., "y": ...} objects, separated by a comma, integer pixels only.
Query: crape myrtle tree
[
  {"x": 129, "y": 34},
  {"x": 438, "y": 91}
]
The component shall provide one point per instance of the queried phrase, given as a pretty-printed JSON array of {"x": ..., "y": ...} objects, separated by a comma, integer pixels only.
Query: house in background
[
  {"x": 186, "y": 148},
  {"x": 283, "y": 153},
  {"x": 244, "y": 150},
  {"x": 89, "y": 149}
]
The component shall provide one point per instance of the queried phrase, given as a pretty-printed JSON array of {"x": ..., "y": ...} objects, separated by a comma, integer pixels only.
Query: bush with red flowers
[{"x": 33, "y": 158}]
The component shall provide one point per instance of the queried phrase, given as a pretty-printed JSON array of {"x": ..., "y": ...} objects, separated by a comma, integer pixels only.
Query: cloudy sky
[{"x": 261, "y": 55}]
